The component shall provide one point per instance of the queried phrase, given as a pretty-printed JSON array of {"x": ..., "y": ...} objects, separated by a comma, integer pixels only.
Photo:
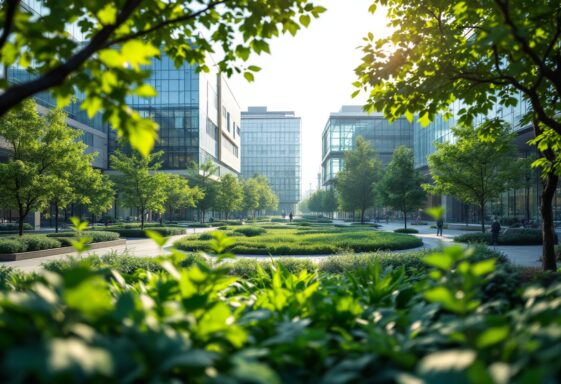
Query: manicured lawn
[{"x": 306, "y": 240}]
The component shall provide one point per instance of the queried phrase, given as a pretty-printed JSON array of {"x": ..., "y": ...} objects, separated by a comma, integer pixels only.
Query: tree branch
[
  {"x": 11, "y": 8},
  {"x": 56, "y": 76},
  {"x": 164, "y": 23}
]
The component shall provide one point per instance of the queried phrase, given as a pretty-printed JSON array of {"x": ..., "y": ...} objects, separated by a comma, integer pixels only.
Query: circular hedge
[{"x": 405, "y": 230}]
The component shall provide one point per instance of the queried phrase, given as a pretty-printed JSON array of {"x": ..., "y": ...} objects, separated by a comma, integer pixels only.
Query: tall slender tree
[
  {"x": 230, "y": 195},
  {"x": 205, "y": 178},
  {"x": 400, "y": 187},
  {"x": 137, "y": 183},
  {"x": 355, "y": 183}
]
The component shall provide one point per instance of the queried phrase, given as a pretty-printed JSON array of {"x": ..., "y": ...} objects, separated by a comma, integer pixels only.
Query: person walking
[
  {"x": 439, "y": 226},
  {"x": 290, "y": 216},
  {"x": 495, "y": 230}
]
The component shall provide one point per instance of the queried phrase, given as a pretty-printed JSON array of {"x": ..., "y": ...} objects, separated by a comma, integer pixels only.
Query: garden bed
[
  {"x": 510, "y": 237},
  {"x": 302, "y": 240},
  {"x": 56, "y": 251}
]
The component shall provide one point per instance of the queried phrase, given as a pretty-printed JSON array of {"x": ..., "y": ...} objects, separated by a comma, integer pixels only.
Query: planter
[{"x": 56, "y": 251}]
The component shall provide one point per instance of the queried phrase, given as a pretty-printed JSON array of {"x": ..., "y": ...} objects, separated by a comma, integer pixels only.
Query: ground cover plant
[
  {"x": 454, "y": 316},
  {"x": 140, "y": 233},
  {"x": 306, "y": 240},
  {"x": 94, "y": 236}
]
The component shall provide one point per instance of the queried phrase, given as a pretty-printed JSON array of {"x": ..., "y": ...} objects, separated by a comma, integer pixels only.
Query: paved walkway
[{"x": 527, "y": 256}]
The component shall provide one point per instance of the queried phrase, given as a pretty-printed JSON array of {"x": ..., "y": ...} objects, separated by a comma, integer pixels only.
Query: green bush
[
  {"x": 199, "y": 225},
  {"x": 373, "y": 225},
  {"x": 250, "y": 231},
  {"x": 164, "y": 231},
  {"x": 443, "y": 318},
  {"x": 27, "y": 243},
  {"x": 96, "y": 236},
  {"x": 15, "y": 227},
  {"x": 518, "y": 237},
  {"x": 405, "y": 230},
  {"x": 278, "y": 220}
]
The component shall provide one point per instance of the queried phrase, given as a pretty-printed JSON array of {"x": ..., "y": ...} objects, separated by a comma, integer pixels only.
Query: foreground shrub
[
  {"x": 405, "y": 230},
  {"x": 191, "y": 321},
  {"x": 250, "y": 231},
  {"x": 27, "y": 243}
]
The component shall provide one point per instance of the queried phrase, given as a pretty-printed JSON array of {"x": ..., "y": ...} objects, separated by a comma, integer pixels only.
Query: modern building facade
[
  {"x": 271, "y": 146},
  {"x": 343, "y": 128},
  {"x": 197, "y": 114}
]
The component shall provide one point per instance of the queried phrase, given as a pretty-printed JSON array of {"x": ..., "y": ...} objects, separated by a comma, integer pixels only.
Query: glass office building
[
  {"x": 197, "y": 114},
  {"x": 271, "y": 145},
  {"x": 343, "y": 128}
]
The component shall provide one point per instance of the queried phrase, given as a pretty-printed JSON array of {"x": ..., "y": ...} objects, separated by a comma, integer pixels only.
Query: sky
[{"x": 312, "y": 73}]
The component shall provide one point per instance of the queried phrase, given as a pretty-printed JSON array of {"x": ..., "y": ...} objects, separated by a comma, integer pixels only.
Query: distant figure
[
  {"x": 495, "y": 230},
  {"x": 290, "y": 216},
  {"x": 439, "y": 226}
]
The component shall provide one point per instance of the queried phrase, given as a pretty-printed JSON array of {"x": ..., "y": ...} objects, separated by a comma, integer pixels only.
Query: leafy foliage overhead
[{"x": 116, "y": 39}]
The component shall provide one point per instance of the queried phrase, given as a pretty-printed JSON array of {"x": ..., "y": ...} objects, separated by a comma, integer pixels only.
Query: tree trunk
[
  {"x": 405, "y": 219},
  {"x": 482, "y": 213},
  {"x": 548, "y": 230},
  {"x": 362, "y": 215},
  {"x": 21, "y": 218},
  {"x": 142, "y": 219},
  {"x": 56, "y": 216}
]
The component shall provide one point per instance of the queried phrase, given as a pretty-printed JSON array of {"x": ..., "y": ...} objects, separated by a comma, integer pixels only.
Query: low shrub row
[
  {"x": 95, "y": 236},
  {"x": 520, "y": 237},
  {"x": 405, "y": 230},
  {"x": 15, "y": 227},
  {"x": 26, "y": 243},
  {"x": 373, "y": 225},
  {"x": 250, "y": 231},
  {"x": 140, "y": 233}
]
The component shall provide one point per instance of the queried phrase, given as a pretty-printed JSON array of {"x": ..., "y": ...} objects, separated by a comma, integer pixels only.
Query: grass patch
[{"x": 294, "y": 240}]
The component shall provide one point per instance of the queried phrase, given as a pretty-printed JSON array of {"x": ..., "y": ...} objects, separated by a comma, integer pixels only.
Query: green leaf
[
  {"x": 91, "y": 104},
  {"x": 492, "y": 336},
  {"x": 249, "y": 76},
  {"x": 137, "y": 52},
  {"x": 483, "y": 267},
  {"x": 305, "y": 20},
  {"x": 424, "y": 119},
  {"x": 439, "y": 260},
  {"x": 145, "y": 90},
  {"x": 156, "y": 237},
  {"x": 112, "y": 58},
  {"x": 107, "y": 15}
]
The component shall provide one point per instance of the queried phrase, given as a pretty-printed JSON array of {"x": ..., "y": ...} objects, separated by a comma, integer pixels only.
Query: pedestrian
[
  {"x": 439, "y": 226},
  {"x": 495, "y": 230},
  {"x": 290, "y": 216}
]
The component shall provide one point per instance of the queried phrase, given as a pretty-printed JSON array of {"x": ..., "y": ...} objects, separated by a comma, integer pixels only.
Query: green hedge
[
  {"x": 250, "y": 231},
  {"x": 27, "y": 243},
  {"x": 520, "y": 237},
  {"x": 164, "y": 231},
  {"x": 15, "y": 227},
  {"x": 96, "y": 236},
  {"x": 199, "y": 225},
  {"x": 405, "y": 230}
]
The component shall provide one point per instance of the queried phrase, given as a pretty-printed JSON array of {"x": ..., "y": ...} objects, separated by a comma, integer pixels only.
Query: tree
[
  {"x": 39, "y": 148},
  {"x": 315, "y": 201},
  {"x": 123, "y": 35},
  {"x": 400, "y": 187},
  {"x": 251, "y": 194},
  {"x": 178, "y": 194},
  {"x": 97, "y": 191},
  {"x": 203, "y": 177},
  {"x": 330, "y": 203},
  {"x": 355, "y": 182},
  {"x": 138, "y": 186},
  {"x": 487, "y": 53},
  {"x": 473, "y": 170},
  {"x": 267, "y": 197},
  {"x": 230, "y": 195}
]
